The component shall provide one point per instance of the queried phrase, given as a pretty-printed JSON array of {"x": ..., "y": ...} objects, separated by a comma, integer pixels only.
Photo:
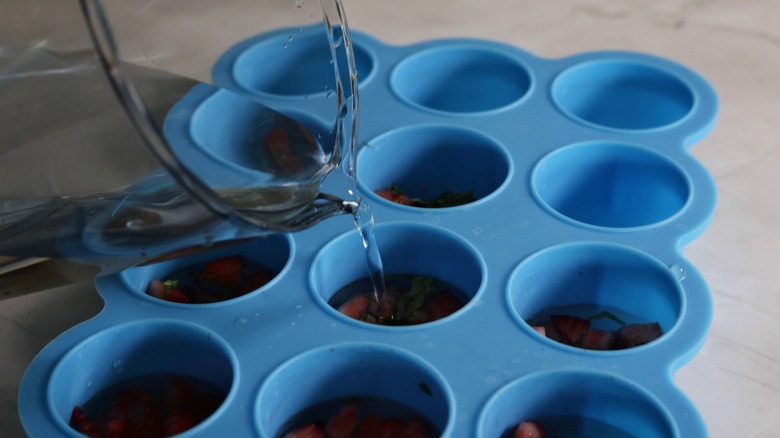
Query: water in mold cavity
[
  {"x": 362, "y": 416},
  {"x": 601, "y": 316},
  {"x": 574, "y": 426}
]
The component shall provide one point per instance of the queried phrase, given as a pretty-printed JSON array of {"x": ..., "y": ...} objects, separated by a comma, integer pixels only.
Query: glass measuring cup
[{"x": 93, "y": 166}]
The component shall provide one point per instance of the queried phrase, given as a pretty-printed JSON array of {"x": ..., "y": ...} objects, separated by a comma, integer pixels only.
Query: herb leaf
[
  {"x": 608, "y": 315},
  {"x": 412, "y": 301}
]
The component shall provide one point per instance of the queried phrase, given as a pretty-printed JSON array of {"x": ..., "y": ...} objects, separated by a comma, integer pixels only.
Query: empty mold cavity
[
  {"x": 571, "y": 403},
  {"x": 429, "y": 160},
  {"x": 610, "y": 185},
  {"x": 137, "y": 351},
  {"x": 621, "y": 94},
  {"x": 351, "y": 372},
  {"x": 461, "y": 79},
  {"x": 406, "y": 248},
  {"x": 586, "y": 279},
  {"x": 298, "y": 64},
  {"x": 262, "y": 261}
]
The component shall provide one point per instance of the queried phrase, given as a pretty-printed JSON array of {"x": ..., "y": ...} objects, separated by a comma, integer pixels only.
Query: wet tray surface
[{"x": 585, "y": 194}]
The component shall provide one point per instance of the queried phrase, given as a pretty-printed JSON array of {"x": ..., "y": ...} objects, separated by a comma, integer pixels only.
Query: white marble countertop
[{"x": 735, "y": 379}]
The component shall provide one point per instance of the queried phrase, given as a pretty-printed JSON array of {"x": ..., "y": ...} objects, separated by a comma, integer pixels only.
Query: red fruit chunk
[
  {"x": 634, "y": 335},
  {"x": 178, "y": 421},
  {"x": 82, "y": 423},
  {"x": 597, "y": 339},
  {"x": 394, "y": 196},
  {"x": 530, "y": 429},
  {"x": 444, "y": 305},
  {"x": 344, "y": 423},
  {"x": 308, "y": 431},
  {"x": 179, "y": 394},
  {"x": 255, "y": 282},
  {"x": 370, "y": 427},
  {"x": 156, "y": 289},
  {"x": 414, "y": 428},
  {"x": 225, "y": 272},
  {"x": 176, "y": 296},
  {"x": 391, "y": 426},
  {"x": 551, "y": 332},
  {"x": 115, "y": 428},
  {"x": 573, "y": 328},
  {"x": 355, "y": 306}
]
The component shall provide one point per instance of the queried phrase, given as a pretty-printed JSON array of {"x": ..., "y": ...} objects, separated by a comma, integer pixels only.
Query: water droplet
[
  {"x": 298, "y": 306},
  {"x": 134, "y": 224},
  {"x": 118, "y": 366},
  {"x": 289, "y": 39},
  {"x": 89, "y": 383},
  {"x": 292, "y": 323},
  {"x": 299, "y": 3},
  {"x": 477, "y": 231},
  {"x": 242, "y": 320},
  {"x": 284, "y": 46},
  {"x": 678, "y": 271},
  {"x": 329, "y": 95}
]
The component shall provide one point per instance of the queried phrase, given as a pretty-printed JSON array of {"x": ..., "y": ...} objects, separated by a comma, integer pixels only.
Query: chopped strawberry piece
[
  {"x": 115, "y": 428},
  {"x": 355, "y": 306},
  {"x": 386, "y": 193},
  {"x": 82, "y": 423},
  {"x": 176, "y": 296},
  {"x": 178, "y": 421},
  {"x": 179, "y": 394},
  {"x": 414, "y": 428},
  {"x": 540, "y": 329},
  {"x": 370, "y": 427},
  {"x": 224, "y": 272},
  {"x": 391, "y": 426},
  {"x": 445, "y": 304},
  {"x": 395, "y": 196},
  {"x": 597, "y": 339},
  {"x": 156, "y": 289},
  {"x": 573, "y": 328},
  {"x": 308, "y": 431},
  {"x": 530, "y": 429},
  {"x": 634, "y": 335},
  {"x": 255, "y": 282},
  {"x": 344, "y": 423},
  {"x": 553, "y": 333}
]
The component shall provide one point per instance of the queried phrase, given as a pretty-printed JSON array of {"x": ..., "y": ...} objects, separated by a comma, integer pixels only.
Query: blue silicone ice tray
[{"x": 586, "y": 194}]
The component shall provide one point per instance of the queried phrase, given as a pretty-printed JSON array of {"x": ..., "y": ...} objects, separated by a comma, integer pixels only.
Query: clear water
[
  {"x": 384, "y": 408},
  {"x": 571, "y": 426}
]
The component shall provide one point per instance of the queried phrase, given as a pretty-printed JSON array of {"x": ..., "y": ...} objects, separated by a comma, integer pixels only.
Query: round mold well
[
  {"x": 131, "y": 351},
  {"x": 295, "y": 64},
  {"x": 461, "y": 79},
  {"x": 610, "y": 185},
  {"x": 349, "y": 371},
  {"x": 426, "y": 161},
  {"x": 270, "y": 253},
  {"x": 623, "y": 95},
  {"x": 405, "y": 248},
  {"x": 247, "y": 139},
  {"x": 576, "y": 403},
  {"x": 585, "y": 279}
]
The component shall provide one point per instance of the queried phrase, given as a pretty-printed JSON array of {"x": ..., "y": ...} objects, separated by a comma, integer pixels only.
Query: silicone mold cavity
[
  {"x": 272, "y": 253},
  {"x": 344, "y": 371},
  {"x": 406, "y": 248},
  {"x": 137, "y": 349},
  {"x": 426, "y": 161},
  {"x": 461, "y": 80},
  {"x": 296, "y": 63},
  {"x": 611, "y": 185},
  {"x": 622, "y": 94},
  {"x": 581, "y": 397},
  {"x": 595, "y": 275}
]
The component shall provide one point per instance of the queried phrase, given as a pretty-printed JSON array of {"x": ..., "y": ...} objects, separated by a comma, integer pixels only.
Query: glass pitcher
[{"x": 118, "y": 145}]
